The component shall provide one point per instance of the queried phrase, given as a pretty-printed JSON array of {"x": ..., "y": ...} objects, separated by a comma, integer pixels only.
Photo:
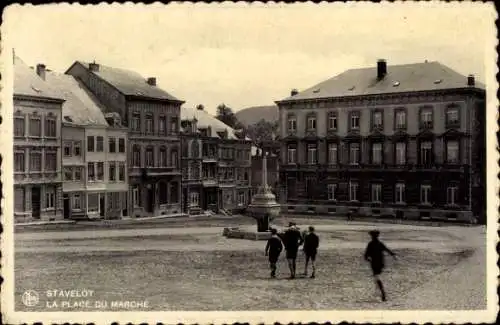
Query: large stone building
[
  {"x": 404, "y": 140},
  {"x": 152, "y": 117},
  {"x": 216, "y": 164},
  {"x": 94, "y": 154},
  {"x": 37, "y": 147}
]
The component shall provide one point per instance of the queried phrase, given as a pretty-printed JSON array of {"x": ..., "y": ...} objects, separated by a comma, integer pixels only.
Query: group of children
[{"x": 292, "y": 239}]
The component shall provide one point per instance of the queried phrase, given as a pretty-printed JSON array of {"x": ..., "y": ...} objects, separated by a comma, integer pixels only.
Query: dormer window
[
  {"x": 292, "y": 123},
  {"x": 311, "y": 123}
]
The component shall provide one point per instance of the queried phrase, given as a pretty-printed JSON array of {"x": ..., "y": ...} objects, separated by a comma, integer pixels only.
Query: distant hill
[{"x": 252, "y": 115}]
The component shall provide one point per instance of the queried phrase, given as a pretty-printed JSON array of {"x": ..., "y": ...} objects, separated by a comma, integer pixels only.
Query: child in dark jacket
[{"x": 273, "y": 251}]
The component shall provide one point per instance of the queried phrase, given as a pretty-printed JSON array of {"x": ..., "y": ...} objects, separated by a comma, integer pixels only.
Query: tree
[
  {"x": 225, "y": 114},
  {"x": 262, "y": 131}
]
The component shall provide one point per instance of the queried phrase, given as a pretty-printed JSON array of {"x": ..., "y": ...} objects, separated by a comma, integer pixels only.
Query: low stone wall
[{"x": 237, "y": 233}]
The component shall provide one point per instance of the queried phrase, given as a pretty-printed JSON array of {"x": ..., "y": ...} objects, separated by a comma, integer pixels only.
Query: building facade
[
  {"x": 94, "y": 156},
  {"x": 37, "y": 147},
  {"x": 216, "y": 164},
  {"x": 152, "y": 118},
  {"x": 405, "y": 141}
]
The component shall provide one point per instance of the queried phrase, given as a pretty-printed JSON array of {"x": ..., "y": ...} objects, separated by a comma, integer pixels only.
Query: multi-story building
[
  {"x": 152, "y": 117},
  {"x": 216, "y": 164},
  {"x": 94, "y": 154},
  {"x": 405, "y": 140},
  {"x": 37, "y": 147}
]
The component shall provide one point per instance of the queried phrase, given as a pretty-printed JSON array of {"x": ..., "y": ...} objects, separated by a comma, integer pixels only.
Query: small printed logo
[{"x": 30, "y": 298}]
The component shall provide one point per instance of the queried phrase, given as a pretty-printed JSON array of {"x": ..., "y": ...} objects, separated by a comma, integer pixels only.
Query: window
[
  {"x": 332, "y": 189},
  {"x": 425, "y": 193},
  {"x": 378, "y": 120},
  {"x": 68, "y": 149},
  {"x": 35, "y": 127},
  {"x": 292, "y": 124},
  {"x": 292, "y": 155},
  {"x": 354, "y": 153},
  {"x": 150, "y": 157},
  {"x": 19, "y": 164},
  {"x": 51, "y": 161},
  {"x": 194, "y": 198},
  {"x": 332, "y": 121},
  {"x": 136, "y": 122},
  {"x": 78, "y": 173},
  {"x": 452, "y": 195},
  {"x": 121, "y": 172},
  {"x": 121, "y": 145},
  {"x": 452, "y": 152},
  {"x": 400, "y": 153},
  {"x": 77, "y": 202},
  {"x": 19, "y": 126},
  {"x": 163, "y": 157},
  {"x": 19, "y": 199},
  {"x": 426, "y": 153},
  {"x": 112, "y": 144},
  {"x": 312, "y": 152},
  {"x": 77, "y": 148},
  {"x": 100, "y": 144},
  {"x": 311, "y": 123},
  {"x": 400, "y": 119},
  {"x": 452, "y": 116},
  {"x": 242, "y": 199},
  {"x": 174, "y": 125},
  {"x": 149, "y": 123},
  {"x": 174, "y": 158},
  {"x": 68, "y": 174},
  {"x": 426, "y": 118},
  {"x": 50, "y": 127},
  {"x": 332, "y": 153},
  {"x": 136, "y": 156},
  {"x": 136, "y": 197},
  {"x": 50, "y": 197},
  {"x": 353, "y": 191},
  {"x": 35, "y": 161},
  {"x": 100, "y": 171},
  {"x": 93, "y": 202},
  {"x": 112, "y": 171},
  {"x": 162, "y": 125},
  {"x": 377, "y": 153},
  {"x": 91, "y": 171},
  {"x": 354, "y": 120},
  {"x": 400, "y": 193},
  {"x": 376, "y": 193},
  {"x": 90, "y": 143}
]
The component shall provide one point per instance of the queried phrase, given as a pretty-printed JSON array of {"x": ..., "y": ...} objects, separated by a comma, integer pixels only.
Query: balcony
[{"x": 209, "y": 182}]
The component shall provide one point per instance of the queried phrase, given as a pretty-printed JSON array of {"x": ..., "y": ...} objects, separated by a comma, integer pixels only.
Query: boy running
[
  {"x": 311, "y": 243},
  {"x": 273, "y": 250},
  {"x": 292, "y": 239},
  {"x": 375, "y": 255}
]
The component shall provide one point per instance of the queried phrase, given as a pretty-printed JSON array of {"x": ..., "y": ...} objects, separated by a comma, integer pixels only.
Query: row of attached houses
[
  {"x": 404, "y": 140},
  {"x": 103, "y": 142}
]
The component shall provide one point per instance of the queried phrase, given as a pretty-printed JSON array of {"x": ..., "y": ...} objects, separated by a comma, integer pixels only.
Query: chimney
[
  {"x": 294, "y": 92},
  {"x": 94, "y": 67},
  {"x": 40, "y": 70},
  {"x": 471, "y": 81},
  {"x": 381, "y": 69},
  {"x": 152, "y": 81}
]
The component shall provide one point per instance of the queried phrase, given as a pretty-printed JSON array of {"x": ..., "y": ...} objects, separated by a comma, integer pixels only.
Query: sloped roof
[
  {"x": 129, "y": 83},
  {"x": 80, "y": 107},
  {"x": 28, "y": 83},
  {"x": 204, "y": 120},
  {"x": 399, "y": 78}
]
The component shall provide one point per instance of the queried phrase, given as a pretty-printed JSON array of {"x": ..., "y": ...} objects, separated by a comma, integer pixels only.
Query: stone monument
[{"x": 264, "y": 207}]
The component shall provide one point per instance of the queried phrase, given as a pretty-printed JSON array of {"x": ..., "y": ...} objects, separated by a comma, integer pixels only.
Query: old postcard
[{"x": 249, "y": 162}]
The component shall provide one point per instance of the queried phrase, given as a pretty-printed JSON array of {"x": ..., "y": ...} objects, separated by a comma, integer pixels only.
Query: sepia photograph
[{"x": 249, "y": 162}]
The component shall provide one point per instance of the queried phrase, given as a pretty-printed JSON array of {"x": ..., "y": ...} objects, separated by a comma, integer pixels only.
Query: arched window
[
  {"x": 136, "y": 156},
  {"x": 163, "y": 156}
]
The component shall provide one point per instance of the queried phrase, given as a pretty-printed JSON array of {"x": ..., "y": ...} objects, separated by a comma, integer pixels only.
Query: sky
[{"x": 250, "y": 55}]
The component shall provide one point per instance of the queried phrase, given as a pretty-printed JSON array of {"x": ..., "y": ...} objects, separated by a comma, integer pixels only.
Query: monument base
[{"x": 237, "y": 233}]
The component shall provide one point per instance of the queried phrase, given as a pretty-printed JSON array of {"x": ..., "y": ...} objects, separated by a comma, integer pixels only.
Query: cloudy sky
[{"x": 248, "y": 55}]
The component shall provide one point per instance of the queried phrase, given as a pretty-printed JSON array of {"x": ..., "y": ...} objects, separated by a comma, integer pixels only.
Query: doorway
[
  {"x": 66, "y": 206},
  {"x": 102, "y": 205},
  {"x": 150, "y": 195},
  {"x": 35, "y": 202}
]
